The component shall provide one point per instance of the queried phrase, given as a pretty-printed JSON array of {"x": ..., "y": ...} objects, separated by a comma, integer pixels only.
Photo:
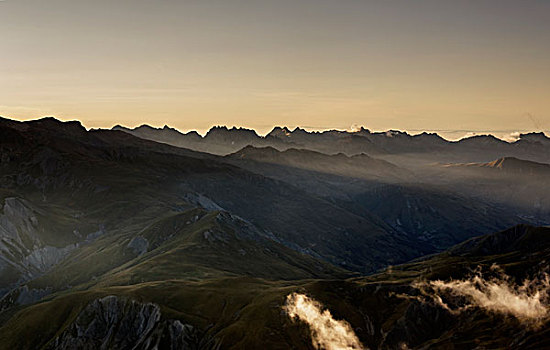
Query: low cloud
[
  {"x": 326, "y": 332},
  {"x": 355, "y": 128},
  {"x": 512, "y": 137},
  {"x": 528, "y": 302}
]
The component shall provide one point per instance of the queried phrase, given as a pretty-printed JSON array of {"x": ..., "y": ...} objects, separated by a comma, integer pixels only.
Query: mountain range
[
  {"x": 150, "y": 238},
  {"x": 222, "y": 140}
]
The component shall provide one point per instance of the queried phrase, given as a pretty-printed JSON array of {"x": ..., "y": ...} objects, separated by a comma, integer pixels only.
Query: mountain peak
[
  {"x": 222, "y": 129},
  {"x": 146, "y": 126},
  {"x": 279, "y": 132},
  {"x": 119, "y": 127},
  {"x": 253, "y": 152},
  {"x": 299, "y": 130},
  {"x": 73, "y": 126},
  {"x": 361, "y": 130},
  {"x": 534, "y": 137},
  {"x": 486, "y": 140}
]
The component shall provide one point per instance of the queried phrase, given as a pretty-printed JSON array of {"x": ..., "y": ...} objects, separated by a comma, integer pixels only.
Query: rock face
[
  {"x": 118, "y": 323},
  {"x": 139, "y": 245},
  {"x": 30, "y": 245},
  {"x": 23, "y": 295},
  {"x": 23, "y": 254}
]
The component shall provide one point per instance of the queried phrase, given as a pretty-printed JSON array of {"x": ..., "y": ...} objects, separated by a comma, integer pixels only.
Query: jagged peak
[
  {"x": 361, "y": 130},
  {"x": 218, "y": 127},
  {"x": 278, "y": 131},
  {"x": 284, "y": 131},
  {"x": 299, "y": 130},
  {"x": 234, "y": 132}
]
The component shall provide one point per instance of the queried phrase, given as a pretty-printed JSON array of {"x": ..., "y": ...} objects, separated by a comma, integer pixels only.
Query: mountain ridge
[
  {"x": 222, "y": 140},
  {"x": 281, "y": 131},
  {"x": 103, "y": 232},
  {"x": 510, "y": 165}
]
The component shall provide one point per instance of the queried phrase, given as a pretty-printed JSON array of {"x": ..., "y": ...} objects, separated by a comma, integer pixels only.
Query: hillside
[
  {"x": 110, "y": 240},
  {"x": 386, "y": 310},
  {"x": 437, "y": 216},
  {"x": 59, "y": 202},
  {"x": 517, "y": 183}
]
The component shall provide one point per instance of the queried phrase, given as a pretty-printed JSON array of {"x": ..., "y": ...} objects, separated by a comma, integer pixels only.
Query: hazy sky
[{"x": 409, "y": 65}]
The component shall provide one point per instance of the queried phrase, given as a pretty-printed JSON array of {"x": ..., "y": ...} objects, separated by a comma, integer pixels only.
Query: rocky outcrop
[
  {"x": 22, "y": 295},
  {"x": 18, "y": 221},
  {"x": 201, "y": 201},
  {"x": 23, "y": 254},
  {"x": 42, "y": 259},
  {"x": 118, "y": 323},
  {"x": 139, "y": 245}
]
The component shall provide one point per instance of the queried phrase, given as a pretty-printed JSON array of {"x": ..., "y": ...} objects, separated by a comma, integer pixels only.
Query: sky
[{"x": 455, "y": 67}]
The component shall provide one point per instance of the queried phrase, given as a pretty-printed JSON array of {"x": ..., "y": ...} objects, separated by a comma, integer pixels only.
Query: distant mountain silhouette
[
  {"x": 357, "y": 166},
  {"x": 222, "y": 140}
]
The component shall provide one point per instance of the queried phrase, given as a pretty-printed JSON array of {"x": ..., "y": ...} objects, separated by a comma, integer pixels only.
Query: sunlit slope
[
  {"x": 359, "y": 166},
  {"x": 436, "y": 216},
  {"x": 518, "y": 183}
]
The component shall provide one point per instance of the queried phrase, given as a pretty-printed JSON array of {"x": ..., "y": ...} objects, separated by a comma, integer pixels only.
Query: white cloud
[
  {"x": 528, "y": 302},
  {"x": 326, "y": 332}
]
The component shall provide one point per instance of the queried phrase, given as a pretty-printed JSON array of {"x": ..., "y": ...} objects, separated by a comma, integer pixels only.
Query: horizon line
[{"x": 312, "y": 129}]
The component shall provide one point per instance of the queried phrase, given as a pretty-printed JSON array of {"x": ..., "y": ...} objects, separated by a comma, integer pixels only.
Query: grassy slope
[{"x": 245, "y": 312}]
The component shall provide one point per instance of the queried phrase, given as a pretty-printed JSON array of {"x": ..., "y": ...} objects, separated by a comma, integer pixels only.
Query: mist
[
  {"x": 326, "y": 332},
  {"x": 528, "y": 302}
]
